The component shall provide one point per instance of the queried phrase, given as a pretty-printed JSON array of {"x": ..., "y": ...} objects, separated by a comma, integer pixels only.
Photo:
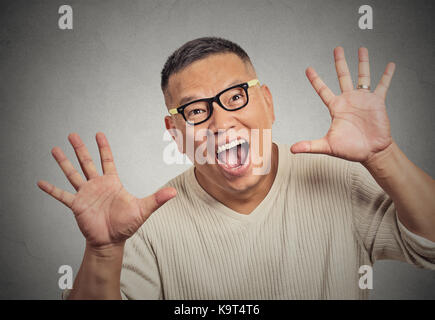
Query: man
[{"x": 301, "y": 228}]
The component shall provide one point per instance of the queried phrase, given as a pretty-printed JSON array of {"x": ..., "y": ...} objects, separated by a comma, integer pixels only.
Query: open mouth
[{"x": 234, "y": 154}]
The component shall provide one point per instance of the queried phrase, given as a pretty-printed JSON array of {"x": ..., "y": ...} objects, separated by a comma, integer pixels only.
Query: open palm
[
  {"x": 360, "y": 127},
  {"x": 105, "y": 212}
]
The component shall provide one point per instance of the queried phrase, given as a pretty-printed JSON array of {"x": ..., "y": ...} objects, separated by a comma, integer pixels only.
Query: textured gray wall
[{"x": 104, "y": 75}]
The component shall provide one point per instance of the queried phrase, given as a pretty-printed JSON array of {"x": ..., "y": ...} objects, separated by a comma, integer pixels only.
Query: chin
[{"x": 242, "y": 184}]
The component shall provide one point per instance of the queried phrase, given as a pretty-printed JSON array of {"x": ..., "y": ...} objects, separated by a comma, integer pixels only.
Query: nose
[{"x": 221, "y": 119}]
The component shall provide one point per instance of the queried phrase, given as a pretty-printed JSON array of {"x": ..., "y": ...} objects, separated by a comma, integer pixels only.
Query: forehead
[{"x": 208, "y": 76}]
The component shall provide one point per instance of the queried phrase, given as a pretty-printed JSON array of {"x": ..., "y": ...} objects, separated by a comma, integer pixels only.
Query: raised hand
[
  {"x": 360, "y": 126},
  {"x": 105, "y": 212}
]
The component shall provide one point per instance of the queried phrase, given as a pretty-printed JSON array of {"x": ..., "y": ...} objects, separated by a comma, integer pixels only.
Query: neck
[{"x": 246, "y": 201}]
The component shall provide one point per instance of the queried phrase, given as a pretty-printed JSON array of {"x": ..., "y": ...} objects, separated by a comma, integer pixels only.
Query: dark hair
[{"x": 195, "y": 50}]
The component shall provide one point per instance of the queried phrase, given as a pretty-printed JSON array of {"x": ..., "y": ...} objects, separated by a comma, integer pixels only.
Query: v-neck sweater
[{"x": 323, "y": 219}]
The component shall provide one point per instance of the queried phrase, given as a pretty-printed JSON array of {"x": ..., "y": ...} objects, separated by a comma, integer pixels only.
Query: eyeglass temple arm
[{"x": 253, "y": 83}]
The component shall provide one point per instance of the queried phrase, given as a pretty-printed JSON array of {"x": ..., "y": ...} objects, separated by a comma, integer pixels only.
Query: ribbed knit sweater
[{"x": 322, "y": 219}]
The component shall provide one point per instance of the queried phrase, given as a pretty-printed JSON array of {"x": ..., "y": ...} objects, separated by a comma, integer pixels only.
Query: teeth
[{"x": 230, "y": 145}]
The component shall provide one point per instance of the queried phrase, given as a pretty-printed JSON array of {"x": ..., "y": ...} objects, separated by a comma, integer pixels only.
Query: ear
[
  {"x": 269, "y": 100},
  {"x": 175, "y": 133},
  {"x": 169, "y": 124}
]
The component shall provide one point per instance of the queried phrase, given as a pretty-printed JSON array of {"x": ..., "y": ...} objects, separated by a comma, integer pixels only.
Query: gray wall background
[{"x": 104, "y": 75}]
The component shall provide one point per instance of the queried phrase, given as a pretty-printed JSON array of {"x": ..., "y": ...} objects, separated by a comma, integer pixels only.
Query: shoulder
[{"x": 316, "y": 167}]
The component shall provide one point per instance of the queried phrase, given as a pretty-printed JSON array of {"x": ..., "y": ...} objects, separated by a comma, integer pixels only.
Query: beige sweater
[{"x": 322, "y": 219}]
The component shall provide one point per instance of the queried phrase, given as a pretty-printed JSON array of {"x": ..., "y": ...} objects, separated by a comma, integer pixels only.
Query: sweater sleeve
[
  {"x": 140, "y": 277},
  {"x": 378, "y": 227}
]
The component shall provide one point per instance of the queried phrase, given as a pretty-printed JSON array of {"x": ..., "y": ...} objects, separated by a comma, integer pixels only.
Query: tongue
[{"x": 233, "y": 157}]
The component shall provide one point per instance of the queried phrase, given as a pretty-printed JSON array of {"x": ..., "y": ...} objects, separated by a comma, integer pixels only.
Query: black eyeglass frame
[{"x": 216, "y": 98}]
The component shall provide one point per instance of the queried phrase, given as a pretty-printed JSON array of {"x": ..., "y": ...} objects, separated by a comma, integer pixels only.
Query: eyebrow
[{"x": 187, "y": 99}]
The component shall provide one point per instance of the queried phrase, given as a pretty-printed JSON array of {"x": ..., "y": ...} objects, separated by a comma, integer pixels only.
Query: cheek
[
  {"x": 198, "y": 144},
  {"x": 256, "y": 116}
]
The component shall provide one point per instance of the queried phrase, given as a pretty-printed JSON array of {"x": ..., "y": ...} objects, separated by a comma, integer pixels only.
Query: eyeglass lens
[{"x": 231, "y": 99}]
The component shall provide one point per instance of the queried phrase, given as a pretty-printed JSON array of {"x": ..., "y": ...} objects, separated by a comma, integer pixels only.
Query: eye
[
  {"x": 195, "y": 111},
  {"x": 236, "y": 97}
]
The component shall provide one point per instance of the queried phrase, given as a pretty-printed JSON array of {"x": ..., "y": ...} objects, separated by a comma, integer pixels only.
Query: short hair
[{"x": 195, "y": 50}]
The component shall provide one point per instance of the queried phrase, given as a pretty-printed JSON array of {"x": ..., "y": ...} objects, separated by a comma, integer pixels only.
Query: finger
[
  {"x": 63, "y": 196},
  {"x": 321, "y": 88},
  {"x": 385, "y": 81},
  {"x": 313, "y": 146},
  {"x": 343, "y": 73},
  {"x": 363, "y": 67},
  {"x": 83, "y": 156},
  {"x": 153, "y": 202},
  {"x": 68, "y": 169},
  {"x": 106, "y": 156}
]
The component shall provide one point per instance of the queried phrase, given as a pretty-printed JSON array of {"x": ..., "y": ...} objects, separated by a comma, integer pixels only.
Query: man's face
[{"x": 233, "y": 170}]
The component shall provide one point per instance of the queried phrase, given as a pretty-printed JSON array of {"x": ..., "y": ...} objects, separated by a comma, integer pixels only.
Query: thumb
[
  {"x": 151, "y": 203},
  {"x": 313, "y": 146}
]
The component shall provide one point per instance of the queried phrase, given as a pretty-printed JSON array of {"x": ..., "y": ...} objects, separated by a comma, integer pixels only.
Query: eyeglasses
[{"x": 230, "y": 99}]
